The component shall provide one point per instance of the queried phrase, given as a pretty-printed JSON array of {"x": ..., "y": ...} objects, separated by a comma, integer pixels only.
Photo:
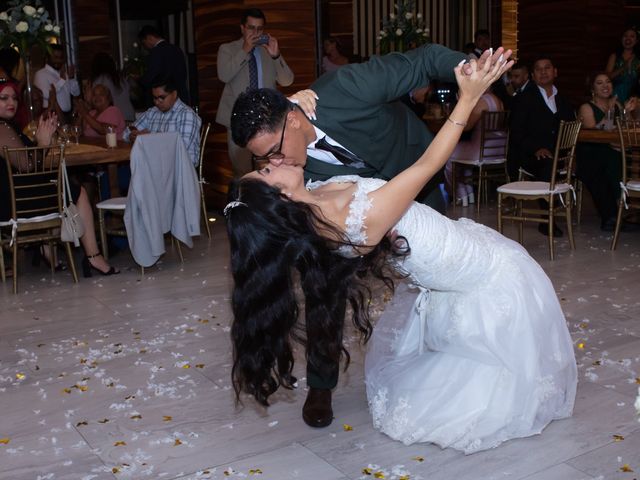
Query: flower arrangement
[
  {"x": 134, "y": 63},
  {"x": 25, "y": 24},
  {"x": 403, "y": 29}
]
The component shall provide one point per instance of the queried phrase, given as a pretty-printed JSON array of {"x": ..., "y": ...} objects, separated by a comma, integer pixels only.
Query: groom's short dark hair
[{"x": 257, "y": 111}]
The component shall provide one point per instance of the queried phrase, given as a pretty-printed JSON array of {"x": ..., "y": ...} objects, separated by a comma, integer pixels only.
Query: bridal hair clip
[{"x": 231, "y": 205}]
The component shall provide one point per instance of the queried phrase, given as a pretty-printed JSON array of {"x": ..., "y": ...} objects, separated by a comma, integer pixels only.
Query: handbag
[{"x": 72, "y": 227}]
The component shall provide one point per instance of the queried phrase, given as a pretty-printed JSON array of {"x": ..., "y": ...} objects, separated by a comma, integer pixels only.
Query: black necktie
[
  {"x": 253, "y": 71},
  {"x": 341, "y": 154}
]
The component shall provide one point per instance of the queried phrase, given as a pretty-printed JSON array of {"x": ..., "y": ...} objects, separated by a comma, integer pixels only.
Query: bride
[{"x": 484, "y": 355}]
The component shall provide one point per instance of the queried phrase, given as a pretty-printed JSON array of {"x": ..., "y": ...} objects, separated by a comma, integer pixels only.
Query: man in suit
[
  {"x": 358, "y": 111},
  {"x": 519, "y": 79},
  {"x": 535, "y": 119},
  {"x": 165, "y": 60},
  {"x": 248, "y": 63}
]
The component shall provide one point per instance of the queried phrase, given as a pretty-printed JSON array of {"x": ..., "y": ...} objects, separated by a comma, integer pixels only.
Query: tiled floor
[{"x": 128, "y": 377}]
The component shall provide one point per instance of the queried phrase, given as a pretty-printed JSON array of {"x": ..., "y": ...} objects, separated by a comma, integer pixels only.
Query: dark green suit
[{"x": 359, "y": 107}]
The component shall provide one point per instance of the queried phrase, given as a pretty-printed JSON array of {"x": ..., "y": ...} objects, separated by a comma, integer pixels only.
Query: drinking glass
[{"x": 76, "y": 133}]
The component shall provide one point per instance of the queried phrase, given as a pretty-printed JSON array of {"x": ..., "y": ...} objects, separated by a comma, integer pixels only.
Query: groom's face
[{"x": 285, "y": 146}]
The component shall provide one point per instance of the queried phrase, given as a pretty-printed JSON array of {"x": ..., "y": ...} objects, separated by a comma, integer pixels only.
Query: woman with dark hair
[
  {"x": 598, "y": 165},
  {"x": 623, "y": 66},
  {"x": 11, "y": 137},
  {"x": 104, "y": 72},
  {"x": 333, "y": 57},
  {"x": 483, "y": 356}
]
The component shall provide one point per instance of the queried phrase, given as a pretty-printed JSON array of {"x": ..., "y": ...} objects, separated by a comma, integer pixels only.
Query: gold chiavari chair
[
  {"x": 35, "y": 187},
  {"x": 560, "y": 186}
]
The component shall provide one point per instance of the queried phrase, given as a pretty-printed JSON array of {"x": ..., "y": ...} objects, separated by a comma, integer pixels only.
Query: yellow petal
[
  {"x": 20, "y": 376},
  {"x": 367, "y": 471},
  {"x": 581, "y": 346},
  {"x": 255, "y": 471},
  {"x": 167, "y": 418},
  {"x": 626, "y": 468},
  {"x": 347, "y": 428},
  {"x": 186, "y": 366},
  {"x": 115, "y": 470},
  {"x": 120, "y": 444},
  {"x": 618, "y": 438},
  {"x": 379, "y": 475},
  {"x": 177, "y": 442},
  {"x": 136, "y": 417},
  {"x": 5, "y": 441},
  {"x": 404, "y": 477}
]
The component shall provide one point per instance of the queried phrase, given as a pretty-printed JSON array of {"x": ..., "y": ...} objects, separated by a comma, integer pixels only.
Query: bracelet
[
  {"x": 276, "y": 57},
  {"x": 460, "y": 124}
]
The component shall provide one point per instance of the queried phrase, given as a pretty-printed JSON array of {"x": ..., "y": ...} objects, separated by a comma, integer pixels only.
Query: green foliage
[
  {"x": 25, "y": 24},
  {"x": 404, "y": 29}
]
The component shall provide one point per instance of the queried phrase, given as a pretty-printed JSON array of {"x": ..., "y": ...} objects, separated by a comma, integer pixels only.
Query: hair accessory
[{"x": 232, "y": 205}]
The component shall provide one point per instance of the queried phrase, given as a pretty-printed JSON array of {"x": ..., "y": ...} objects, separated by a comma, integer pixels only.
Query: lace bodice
[{"x": 445, "y": 254}]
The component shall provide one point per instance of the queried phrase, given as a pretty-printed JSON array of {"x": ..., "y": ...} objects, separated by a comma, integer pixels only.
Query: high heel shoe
[
  {"x": 87, "y": 267},
  {"x": 39, "y": 256}
]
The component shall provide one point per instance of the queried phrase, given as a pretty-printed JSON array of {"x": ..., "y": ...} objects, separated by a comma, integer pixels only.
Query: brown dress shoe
[{"x": 317, "y": 411}]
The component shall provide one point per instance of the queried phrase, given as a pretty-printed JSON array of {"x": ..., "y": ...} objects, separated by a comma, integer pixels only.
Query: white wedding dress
[{"x": 483, "y": 355}]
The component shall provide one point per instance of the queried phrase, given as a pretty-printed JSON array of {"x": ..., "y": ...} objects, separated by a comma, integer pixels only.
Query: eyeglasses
[
  {"x": 160, "y": 98},
  {"x": 277, "y": 154}
]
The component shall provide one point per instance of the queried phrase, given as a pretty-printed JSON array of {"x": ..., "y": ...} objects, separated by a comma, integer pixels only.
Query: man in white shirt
[{"x": 57, "y": 78}]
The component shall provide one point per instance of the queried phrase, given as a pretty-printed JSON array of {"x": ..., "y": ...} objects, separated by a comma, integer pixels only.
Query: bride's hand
[
  {"x": 475, "y": 77},
  {"x": 306, "y": 100}
]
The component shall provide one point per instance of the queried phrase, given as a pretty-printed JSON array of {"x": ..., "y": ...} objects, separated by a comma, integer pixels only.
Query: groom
[{"x": 362, "y": 128}]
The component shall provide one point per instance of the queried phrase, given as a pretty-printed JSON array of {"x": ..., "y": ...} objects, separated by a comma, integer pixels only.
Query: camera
[{"x": 263, "y": 39}]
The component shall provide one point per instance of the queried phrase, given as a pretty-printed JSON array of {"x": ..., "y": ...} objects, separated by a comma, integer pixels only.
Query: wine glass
[
  {"x": 63, "y": 134},
  {"x": 76, "y": 133}
]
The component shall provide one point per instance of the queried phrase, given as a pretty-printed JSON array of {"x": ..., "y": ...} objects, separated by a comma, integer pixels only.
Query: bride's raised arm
[{"x": 392, "y": 200}]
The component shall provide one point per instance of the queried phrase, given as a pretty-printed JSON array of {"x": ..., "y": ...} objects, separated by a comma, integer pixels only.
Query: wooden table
[
  {"x": 93, "y": 151},
  {"x": 594, "y": 135}
]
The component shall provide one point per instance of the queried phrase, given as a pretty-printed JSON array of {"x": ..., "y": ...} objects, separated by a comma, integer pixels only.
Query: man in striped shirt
[{"x": 169, "y": 114}]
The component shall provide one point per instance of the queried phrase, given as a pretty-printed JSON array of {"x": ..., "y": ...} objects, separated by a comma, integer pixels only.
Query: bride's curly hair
[{"x": 271, "y": 237}]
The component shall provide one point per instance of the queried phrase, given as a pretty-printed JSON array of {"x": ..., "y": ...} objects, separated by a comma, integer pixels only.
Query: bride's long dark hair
[{"x": 271, "y": 238}]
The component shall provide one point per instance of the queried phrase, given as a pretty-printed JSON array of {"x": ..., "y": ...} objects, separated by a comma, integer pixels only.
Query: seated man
[
  {"x": 170, "y": 114},
  {"x": 535, "y": 119}
]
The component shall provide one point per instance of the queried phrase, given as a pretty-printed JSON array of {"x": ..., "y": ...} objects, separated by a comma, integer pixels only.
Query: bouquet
[
  {"x": 134, "y": 62},
  {"x": 25, "y": 24},
  {"x": 403, "y": 30}
]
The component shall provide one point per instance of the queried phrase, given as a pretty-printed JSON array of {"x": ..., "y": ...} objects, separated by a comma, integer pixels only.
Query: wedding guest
[
  {"x": 598, "y": 165},
  {"x": 11, "y": 137},
  {"x": 623, "y": 66},
  {"x": 57, "y": 78},
  {"x": 333, "y": 57},
  {"x": 103, "y": 115},
  {"x": 468, "y": 149},
  {"x": 104, "y": 72},
  {"x": 170, "y": 114}
]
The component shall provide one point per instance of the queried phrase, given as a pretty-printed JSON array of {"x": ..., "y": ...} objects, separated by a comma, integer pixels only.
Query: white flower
[
  {"x": 419, "y": 16},
  {"x": 56, "y": 29},
  {"x": 41, "y": 10},
  {"x": 399, "y": 32},
  {"x": 392, "y": 16},
  {"x": 29, "y": 11},
  {"x": 22, "y": 27},
  {"x": 48, "y": 27},
  {"x": 383, "y": 34},
  {"x": 135, "y": 44},
  {"x": 126, "y": 58},
  {"x": 4, "y": 16},
  {"x": 408, "y": 15},
  {"x": 426, "y": 32},
  {"x": 418, "y": 30}
]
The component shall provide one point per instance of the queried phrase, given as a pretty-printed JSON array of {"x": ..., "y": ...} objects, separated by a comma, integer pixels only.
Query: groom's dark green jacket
[{"x": 360, "y": 108}]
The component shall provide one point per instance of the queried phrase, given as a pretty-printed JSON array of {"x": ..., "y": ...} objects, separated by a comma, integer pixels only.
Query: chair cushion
[
  {"x": 532, "y": 188},
  {"x": 487, "y": 161},
  {"x": 633, "y": 185},
  {"x": 117, "y": 203}
]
